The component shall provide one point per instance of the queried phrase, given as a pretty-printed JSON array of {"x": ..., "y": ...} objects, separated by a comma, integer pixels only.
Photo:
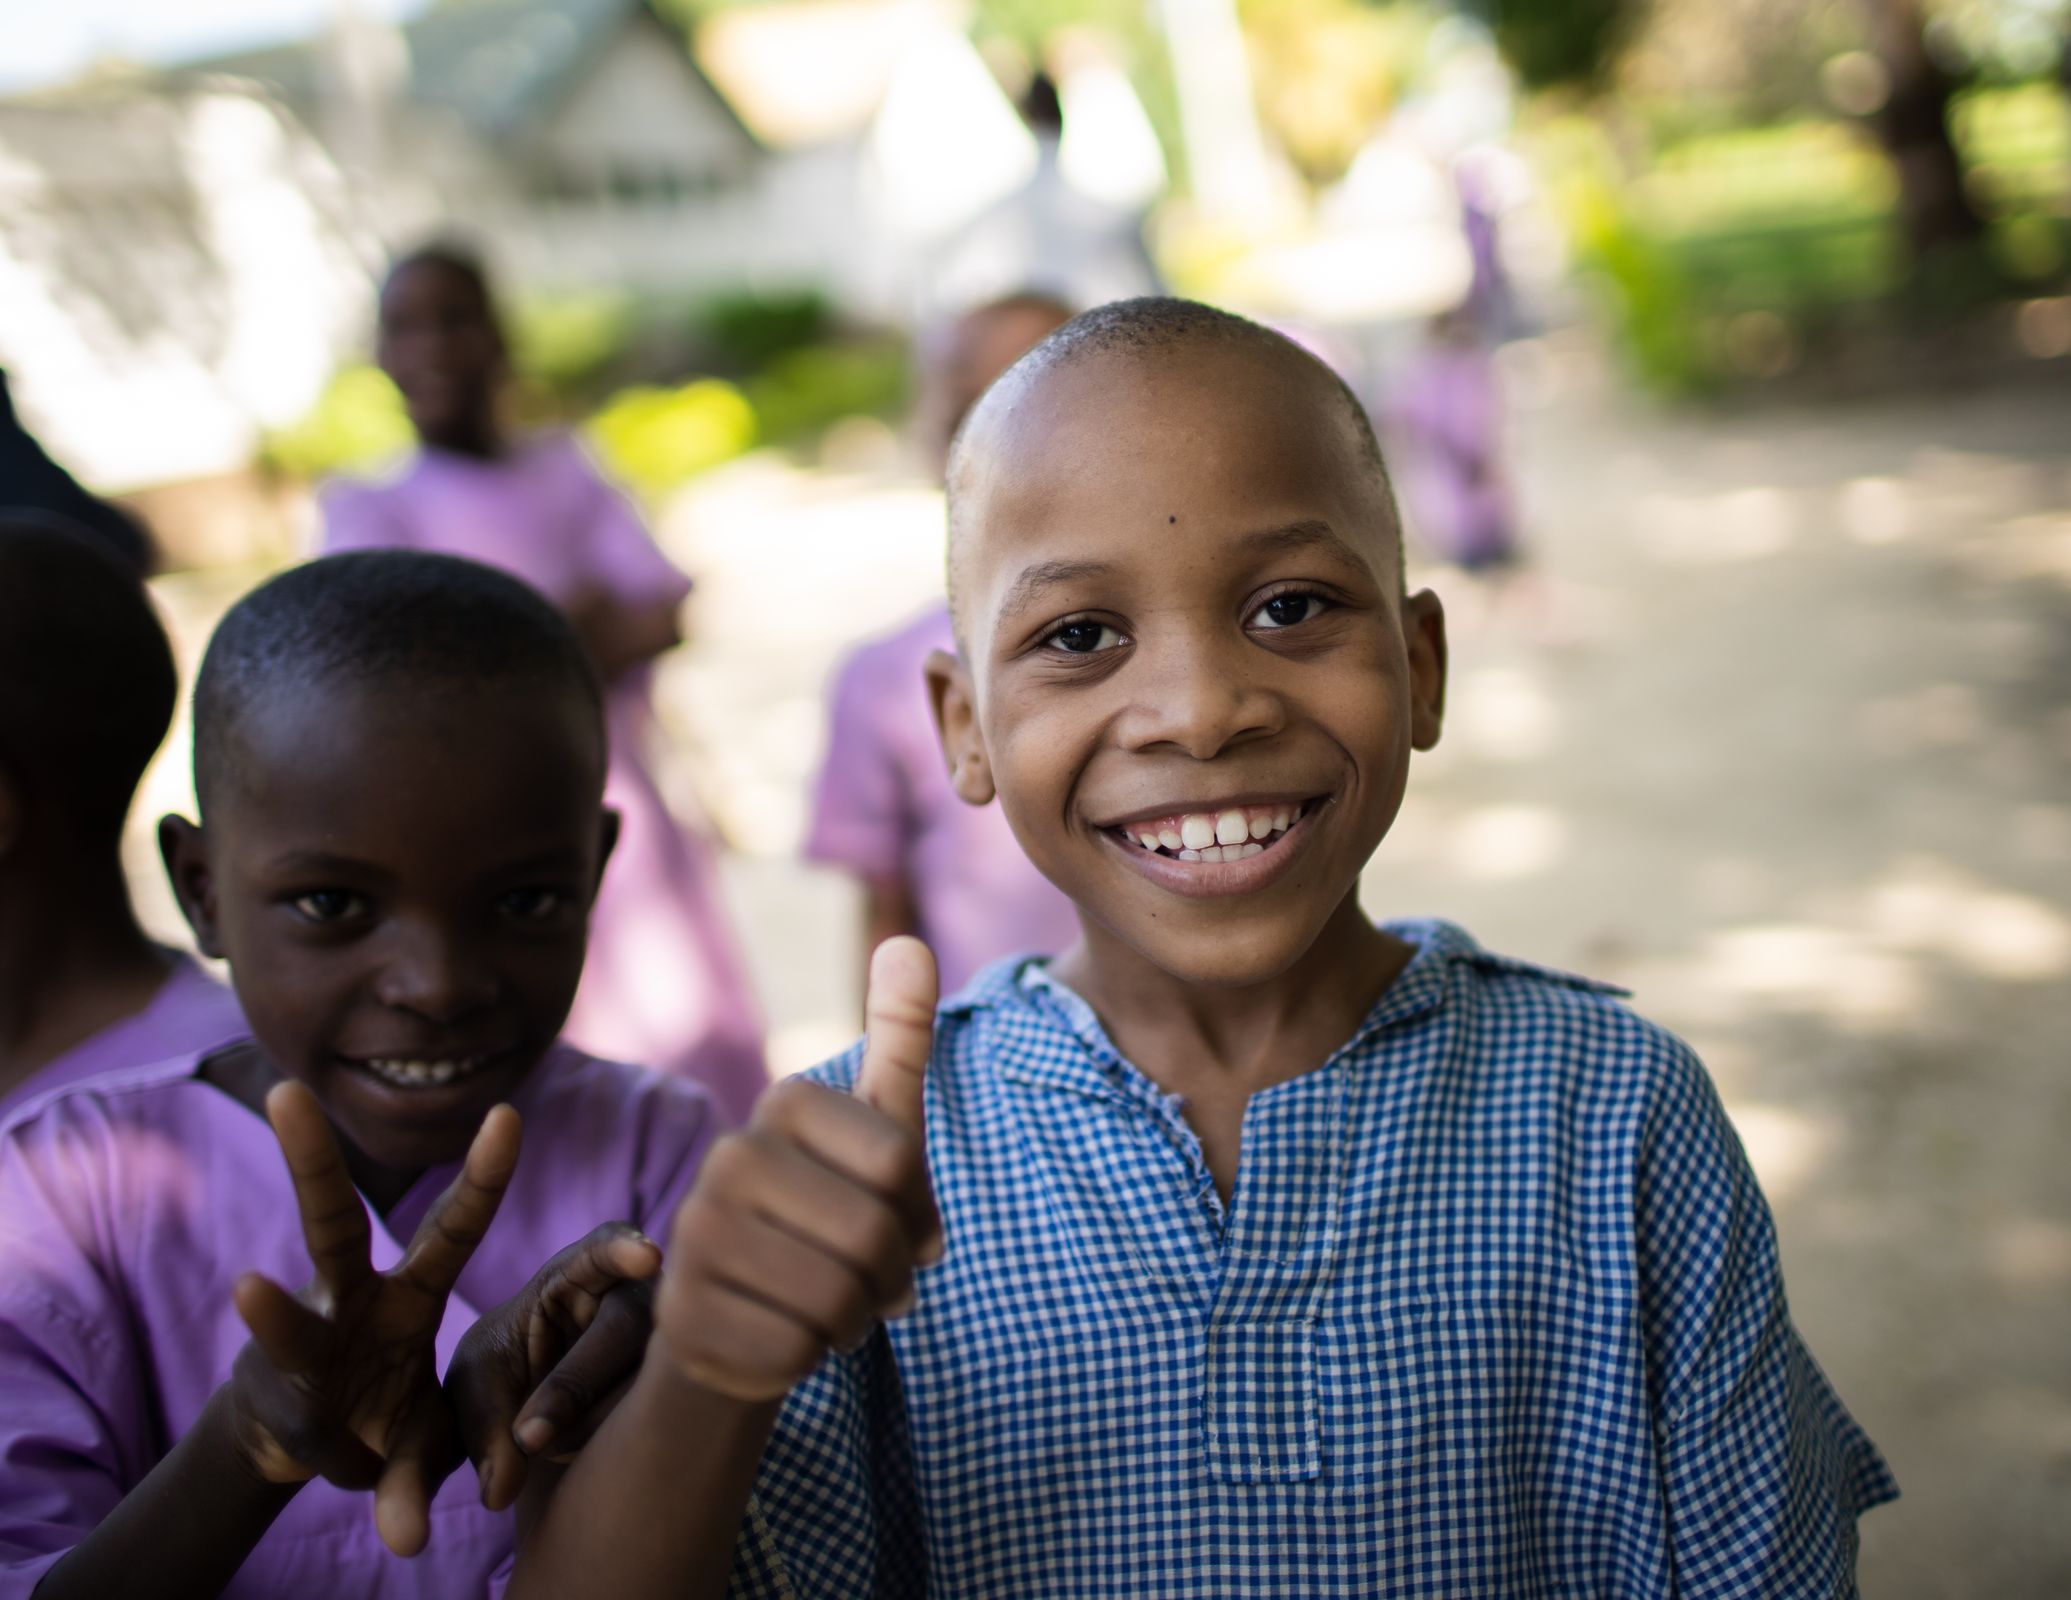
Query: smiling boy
[
  {"x": 400, "y": 761},
  {"x": 1278, "y": 1252}
]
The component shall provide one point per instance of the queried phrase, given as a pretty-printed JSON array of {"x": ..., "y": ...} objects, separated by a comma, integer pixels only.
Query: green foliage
[
  {"x": 357, "y": 423},
  {"x": 740, "y": 332},
  {"x": 1731, "y": 253},
  {"x": 1553, "y": 42},
  {"x": 1327, "y": 72},
  {"x": 655, "y": 439},
  {"x": 563, "y": 342},
  {"x": 804, "y": 391}
]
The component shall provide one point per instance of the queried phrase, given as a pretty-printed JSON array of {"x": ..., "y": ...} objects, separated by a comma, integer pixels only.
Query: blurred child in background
[
  {"x": 1447, "y": 418},
  {"x": 883, "y": 808},
  {"x": 666, "y": 984},
  {"x": 86, "y": 693}
]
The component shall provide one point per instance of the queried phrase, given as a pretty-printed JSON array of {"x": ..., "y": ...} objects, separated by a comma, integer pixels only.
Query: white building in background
[
  {"x": 186, "y": 255},
  {"x": 177, "y": 271}
]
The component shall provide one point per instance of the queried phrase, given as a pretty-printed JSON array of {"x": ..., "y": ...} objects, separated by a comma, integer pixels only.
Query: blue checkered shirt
[{"x": 1494, "y": 1311}]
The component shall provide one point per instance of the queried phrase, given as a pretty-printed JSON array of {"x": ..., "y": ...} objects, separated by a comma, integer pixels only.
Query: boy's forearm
[
  {"x": 653, "y": 1504},
  {"x": 184, "y": 1530}
]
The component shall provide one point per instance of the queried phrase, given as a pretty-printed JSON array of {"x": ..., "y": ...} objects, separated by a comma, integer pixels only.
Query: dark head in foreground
[
  {"x": 87, "y": 686},
  {"x": 1188, "y": 666},
  {"x": 400, "y": 765}
]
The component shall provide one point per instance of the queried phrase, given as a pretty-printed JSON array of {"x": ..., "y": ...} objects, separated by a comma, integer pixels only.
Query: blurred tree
[
  {"x": 1914, "y": 127},
  {"x": 1577, "y": 42},
  {"x": 1561, "y": 42}
]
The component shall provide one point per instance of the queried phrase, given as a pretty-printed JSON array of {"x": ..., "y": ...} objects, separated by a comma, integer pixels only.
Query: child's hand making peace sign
[{"x": 340, "y": 1381}]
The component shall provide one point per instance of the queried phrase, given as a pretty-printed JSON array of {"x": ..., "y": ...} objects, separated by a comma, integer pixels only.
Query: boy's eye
[
  {"x": 329, "y": 905},
  {"x": 1285, "y": 610},
  {"x": 1084, "y": 638},
  {"x": 533, "y": 905}
]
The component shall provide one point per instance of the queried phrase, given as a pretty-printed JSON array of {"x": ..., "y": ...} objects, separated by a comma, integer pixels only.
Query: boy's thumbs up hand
[
  {"x": 803, "y": 1230},
  {"x": 899, "y": 1031}
]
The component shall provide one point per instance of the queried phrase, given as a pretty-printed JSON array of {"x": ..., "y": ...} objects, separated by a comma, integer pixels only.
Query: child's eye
[
  {"x": 533, "y": 905},
  {"x": 1285, "y": 610},
  {"x": 1083, "y": 638},
  {"x": 330, "y": 905}
]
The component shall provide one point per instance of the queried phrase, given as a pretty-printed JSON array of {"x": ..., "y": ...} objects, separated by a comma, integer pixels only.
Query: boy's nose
[
  {"x": 431, "y": 973},
  {"x": 1199, "y": 696}
]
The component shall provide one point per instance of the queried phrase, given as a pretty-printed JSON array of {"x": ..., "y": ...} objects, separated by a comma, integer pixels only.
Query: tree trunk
[{"x": 1914, "y": 127}]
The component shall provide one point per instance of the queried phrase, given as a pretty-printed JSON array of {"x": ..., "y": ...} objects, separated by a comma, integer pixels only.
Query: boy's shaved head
[
  {"x": 407, "y": 622},
  {"x": 1141, "y": 331},
  {"x": 87, "y": 682}
]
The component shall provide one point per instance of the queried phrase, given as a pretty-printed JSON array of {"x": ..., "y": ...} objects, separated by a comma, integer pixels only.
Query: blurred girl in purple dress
[
  {"x": 1447, "y": 417},
  {"x": 665, "y": 985}
]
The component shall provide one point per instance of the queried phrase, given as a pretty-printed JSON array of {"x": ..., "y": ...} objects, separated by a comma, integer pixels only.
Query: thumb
[{"x": 899, "y": 1030}]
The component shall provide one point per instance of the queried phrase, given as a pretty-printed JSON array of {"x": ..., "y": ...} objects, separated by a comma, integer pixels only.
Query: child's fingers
[
  {"x": 899, "y": 1030},
  {"x": 418, "y": 1462},
  {"x": 855, "y": 1143},
  {"x": 447, "y": 1236},
  {"x": 736, "y": 1345},
  {"x": 589, "y": 1269},
  {"x": 334, "y": 1218},
  {"x": 874, "y": 1236},
  {"x": 293, "y": 1338},
  {"x": 574, "y": 1397}
]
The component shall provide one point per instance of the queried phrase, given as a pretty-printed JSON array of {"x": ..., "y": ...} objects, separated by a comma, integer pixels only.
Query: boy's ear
[
  {"x": 606, "y": 843},
  {"x": 1423, "y": 627},
  {"x": 184, "y": 848},
  {"x": 956, "y": 723}
]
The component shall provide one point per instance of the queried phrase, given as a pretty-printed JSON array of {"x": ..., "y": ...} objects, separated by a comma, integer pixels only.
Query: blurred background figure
[
  {"x": 87, "y": 686},
  {"x": 883, "y": 809},
  {"x": 1444, "y": 415},
  {"x": 1051, "y": 235},
  {"x": 665, "y": 985},
  {"x": 31, "y": 481}
]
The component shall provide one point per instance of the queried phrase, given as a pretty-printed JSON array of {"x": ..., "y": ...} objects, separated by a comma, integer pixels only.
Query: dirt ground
[{"x": 1781, "y": 740}]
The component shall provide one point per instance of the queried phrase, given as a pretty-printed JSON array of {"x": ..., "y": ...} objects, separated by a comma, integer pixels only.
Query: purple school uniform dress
[
  {"x": 1448, "y": 416},
  {"x": 190, "y": 1012},
  {"x": 129, "y": 1205},
  {"x": 665, "y": 983},
  {"x": 884, "y": 809}
]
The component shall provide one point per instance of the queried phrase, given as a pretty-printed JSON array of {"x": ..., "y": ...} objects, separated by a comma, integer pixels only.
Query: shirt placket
[{"x": 1260, "y": 1406}]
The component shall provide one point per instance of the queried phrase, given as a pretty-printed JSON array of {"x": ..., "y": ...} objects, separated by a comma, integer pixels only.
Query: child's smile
[{"x": 1234, "y": 846}]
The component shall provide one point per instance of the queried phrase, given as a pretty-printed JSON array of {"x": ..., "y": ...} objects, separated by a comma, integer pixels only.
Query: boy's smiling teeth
[
  {"x": 422, "y": 1074},
  {"x": 1228, "y": 835}
]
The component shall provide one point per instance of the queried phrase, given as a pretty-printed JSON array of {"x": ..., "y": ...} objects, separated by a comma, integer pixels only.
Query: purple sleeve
[
  {"x": 677, "y": 1124},
  {"x": 74, "y": 1415},
  {"x": 357, "y": 516},
  {"x": 862, "y": 816},
  {"x": 620, "y": 555}
]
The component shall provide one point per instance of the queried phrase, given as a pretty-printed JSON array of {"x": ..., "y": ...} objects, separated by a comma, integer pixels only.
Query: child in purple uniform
[
  {"x": 883, "y": 809},
  {"x": 666, "y": 983},
  {"x": 86, "y": 692},
  {"x": 1447, "y": 414},
  {"x": 400, "y": 764}
]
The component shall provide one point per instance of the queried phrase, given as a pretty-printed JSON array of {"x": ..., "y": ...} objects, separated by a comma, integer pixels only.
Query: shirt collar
[{"x": 1028, "y": 1007}]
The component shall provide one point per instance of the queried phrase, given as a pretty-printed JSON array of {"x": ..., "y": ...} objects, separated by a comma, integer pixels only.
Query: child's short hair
[
  {"x": 1156, "y": 322},
  {"x": 87, "y": 681},
  {"x": 405, "y": 619},
  {"x": 463, "y": 260},
  {"x": 1161, "y": 322}
]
